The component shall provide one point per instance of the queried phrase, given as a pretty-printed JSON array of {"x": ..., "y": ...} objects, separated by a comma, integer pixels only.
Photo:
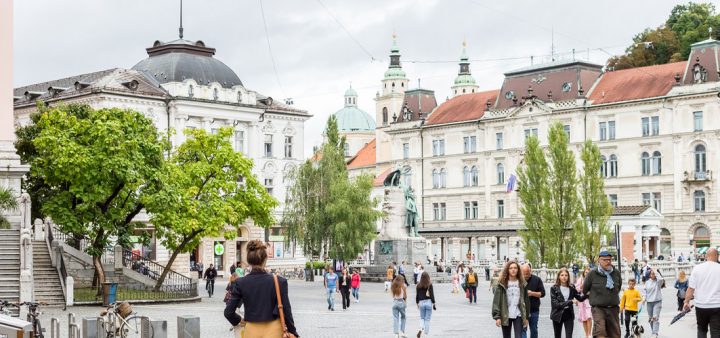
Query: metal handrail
[
  {"x": 59, "y": 262},
  {"x": 173, "y": 283}
]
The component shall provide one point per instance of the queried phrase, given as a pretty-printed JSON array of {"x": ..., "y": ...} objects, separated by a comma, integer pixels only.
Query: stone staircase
[
  {"x": 10, "y": 267},
  {"x": 48, "y": 288}
]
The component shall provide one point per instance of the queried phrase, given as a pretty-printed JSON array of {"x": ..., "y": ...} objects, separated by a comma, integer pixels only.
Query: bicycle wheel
[
  {"x": 132, "y": 328},
  {"x": 38, "y": 329}
]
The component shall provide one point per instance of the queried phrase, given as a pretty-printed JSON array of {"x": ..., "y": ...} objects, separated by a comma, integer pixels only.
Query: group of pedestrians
[{"x": 343, "y": 284}]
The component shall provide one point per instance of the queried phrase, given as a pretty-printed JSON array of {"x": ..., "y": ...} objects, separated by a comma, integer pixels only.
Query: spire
[
  {"x": 181, "y": 28},
  {"x": 464, "y": 63},
  {"x": 464, "y": 82},
  {"x": 395, "y": 68}
]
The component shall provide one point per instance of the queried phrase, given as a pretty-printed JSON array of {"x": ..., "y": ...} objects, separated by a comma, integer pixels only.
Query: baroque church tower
[
  {"x": 464, "y": 82},
  {"x": 388, "y": 105}
]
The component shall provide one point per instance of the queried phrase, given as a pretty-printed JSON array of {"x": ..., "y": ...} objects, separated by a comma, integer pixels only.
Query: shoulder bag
[{"x": 286, "y": 334}]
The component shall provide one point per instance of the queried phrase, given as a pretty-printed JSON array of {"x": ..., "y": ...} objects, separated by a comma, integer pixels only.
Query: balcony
[{"x": 697, "y": 176}]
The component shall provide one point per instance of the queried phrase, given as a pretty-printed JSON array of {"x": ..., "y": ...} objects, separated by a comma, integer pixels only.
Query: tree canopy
[{"x": 671, "y": 41}]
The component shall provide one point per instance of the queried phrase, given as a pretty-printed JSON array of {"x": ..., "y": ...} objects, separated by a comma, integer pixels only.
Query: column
[
  {"x": 646, "y": 241},
  {"x": 7, "y": 132},
  {"x": 253, "y": 140},
  {"x": 472, "y": 246}
]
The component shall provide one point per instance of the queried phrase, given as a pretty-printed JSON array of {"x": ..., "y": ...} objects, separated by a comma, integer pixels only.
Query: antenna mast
[{"x": 181, "y": 28}]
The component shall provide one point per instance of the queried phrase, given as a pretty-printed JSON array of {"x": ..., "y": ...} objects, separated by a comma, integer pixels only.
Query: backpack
[{"x": 471, "y": 278}]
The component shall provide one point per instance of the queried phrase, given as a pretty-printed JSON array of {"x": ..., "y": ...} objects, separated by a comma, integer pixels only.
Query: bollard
[
  {"x": 69, "y": 291},
  {"x": 71, "y": 322},
  {"x": 154, "y": 328},
  {"x": 54, "y": 328},
  {"x": 188, "y": 326},
  {"x": 92, "y": 327}
]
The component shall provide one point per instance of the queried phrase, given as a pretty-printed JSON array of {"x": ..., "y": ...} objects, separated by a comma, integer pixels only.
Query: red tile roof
[
  {"x": 629, "y": 210},
  {"x": 463, "y": 108},
  {"x": 636, "y": 83},
  {"x": 364, "y": 157}
]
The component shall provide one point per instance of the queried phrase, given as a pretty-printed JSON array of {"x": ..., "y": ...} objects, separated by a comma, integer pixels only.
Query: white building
[
  {"x": 653, "y": 126},
  {"x": 181, "y": 85}
]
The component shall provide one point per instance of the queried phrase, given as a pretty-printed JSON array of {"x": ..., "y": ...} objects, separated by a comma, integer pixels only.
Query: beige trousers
[{"x": 272, "y": 329}]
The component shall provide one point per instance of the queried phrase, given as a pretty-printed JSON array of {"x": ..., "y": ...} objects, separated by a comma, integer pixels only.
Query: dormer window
[{"x": 132, "y": 85}]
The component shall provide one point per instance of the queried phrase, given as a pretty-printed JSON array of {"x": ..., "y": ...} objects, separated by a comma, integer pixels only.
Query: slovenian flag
[{"x": 511, "y": 183}]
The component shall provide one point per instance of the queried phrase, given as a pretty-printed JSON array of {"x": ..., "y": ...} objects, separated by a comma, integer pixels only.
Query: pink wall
[{"x": 7, "y": 130}]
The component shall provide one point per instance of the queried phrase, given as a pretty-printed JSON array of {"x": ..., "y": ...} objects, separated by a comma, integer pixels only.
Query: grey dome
[{"x": 181, "y": 60}]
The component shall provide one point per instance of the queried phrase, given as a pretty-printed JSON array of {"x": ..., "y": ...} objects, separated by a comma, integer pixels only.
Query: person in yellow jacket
[{"x": 629, "y": 303}]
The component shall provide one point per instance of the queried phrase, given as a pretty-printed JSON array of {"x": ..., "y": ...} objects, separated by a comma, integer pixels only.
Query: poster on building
[
  {"x": 278, "y": 249},
  {"x": 271, "y": 249}
]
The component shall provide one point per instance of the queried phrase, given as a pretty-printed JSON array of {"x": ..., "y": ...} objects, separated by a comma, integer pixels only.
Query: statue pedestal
[{"x": 412, "y": 249}]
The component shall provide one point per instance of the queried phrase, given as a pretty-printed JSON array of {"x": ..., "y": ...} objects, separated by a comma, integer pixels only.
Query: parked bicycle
[
  {"x": 119, "y": 321},
  {"x": 33, "y": 317},
  {"x": 5, "y": 307}
]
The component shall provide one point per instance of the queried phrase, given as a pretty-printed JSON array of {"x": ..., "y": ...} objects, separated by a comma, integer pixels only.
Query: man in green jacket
[{"x": 602, "y": 285}]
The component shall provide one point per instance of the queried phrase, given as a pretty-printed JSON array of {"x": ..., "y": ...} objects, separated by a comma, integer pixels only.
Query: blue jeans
[
  {"x": 425, "y": 314},
  {"x": 653, "y": 310},
  {"x": 398, "y": 310},
  {"x": 532, "y": 325},
  {"x": 356, "y": 293},
  {"x": 331, "y": 297}
]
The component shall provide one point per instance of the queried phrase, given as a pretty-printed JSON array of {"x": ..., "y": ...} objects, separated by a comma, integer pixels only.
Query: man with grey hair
[{"x": 704, "y": 286}]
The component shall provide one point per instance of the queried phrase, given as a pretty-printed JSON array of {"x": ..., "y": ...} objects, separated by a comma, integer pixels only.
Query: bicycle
[
  {"x": 33, "y": 317},
  {"x": 4, "y": 308},
  {"x": 119, "y": 321},
  {"x": 210, "y": 286}
]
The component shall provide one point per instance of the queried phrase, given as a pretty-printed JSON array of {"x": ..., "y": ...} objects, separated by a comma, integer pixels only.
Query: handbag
[{"x": 286, "y": 334}]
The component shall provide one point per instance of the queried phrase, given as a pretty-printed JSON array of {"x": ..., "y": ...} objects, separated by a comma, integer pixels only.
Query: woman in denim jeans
[
  {"x": 653, "y": 297},
  {"x": 425, "y": 300},
  {"x": 399, "y": 293}
]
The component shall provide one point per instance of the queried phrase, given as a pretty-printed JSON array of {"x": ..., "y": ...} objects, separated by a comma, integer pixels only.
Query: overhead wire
[
  {"x": 272, "y": 57},
  {"x": 372, "y": 58}
]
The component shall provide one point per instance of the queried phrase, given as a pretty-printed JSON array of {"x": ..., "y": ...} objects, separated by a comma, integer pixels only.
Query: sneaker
[
  {"x": 402, "y": 334},
  {"x": 357, "y": 301},
  {"x": 329, "y": 307},
  {"x": 419, "y": 333}
]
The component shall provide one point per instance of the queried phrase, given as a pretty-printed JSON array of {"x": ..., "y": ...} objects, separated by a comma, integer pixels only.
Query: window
[
  {"x": 443, "y": 178},
  {"x": 239, "y": 97},
  {"x": 603, "y": 131},
  {"x": 645, "y": 126},
  {"x": 468, "y": 211},
  {"x": 700, "y": 162},
  {"x": 699, "y": 200},
  {"x": 474, "y": 210},
  {"x": 499, "y": 140},
  {"x": 613, "y": 166},
  {"x": 657, "y": 163},
  {"x": 239, "y": 141},
  {"x": 438, "y": 147},
  {"x": 613, "y": 200},
  {"x": 645, "y": 163},
  {"x": 697, "y": 119},
  {"x": 501, "y": 209},
  {"x": 500, "y": 173},
  {"x": 191, "y": 91},
  {"x": 436, "y": 211},
  {"x": 469, "y": 144},
  {"x": 657, "y": 201},
  {"x": 288, "y": 146},
  {"x": 611, "y": 130},
  {"x": 655, "y": 120},
  {"x": 384, "y": 116},
  {"x": 214, "y": 131},
  {"x": 467, "y": 179},
  {"x": 268, "y": 145},
  {"x": 443, "y": 211},
  {"x": 435, "y": 179},
  {"x": 346, "y": 150},
  {"x": 471, "y": 210},
  {"x": 269, "y": 185},
  {"x": 406, "y": 151},
  {"x": 474, "y": 176},
  {"x": 531, "y": 132},
  {"x": 566, "y": 128},
  {"x": 646, "y": 198},
  {"x": 603, "y": 166},
  {"x": 216, "y": 95}
]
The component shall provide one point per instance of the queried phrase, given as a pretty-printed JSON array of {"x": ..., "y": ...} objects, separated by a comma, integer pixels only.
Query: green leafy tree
[
  {"x": 95, "y": 169},
  {"x": 208, "y": 190},
  {"x": 564, "y": 207},
  {"x": 8, "y": 201},
  {"x": 534, "y": 194},
  {"x": 691, "y": 23},
  {"x": 324, "y": 210},
  {"x": 595, "y": 208}
]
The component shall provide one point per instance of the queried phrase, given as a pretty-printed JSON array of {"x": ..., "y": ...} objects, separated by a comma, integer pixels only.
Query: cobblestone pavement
[{"x": 371, "y": 317}]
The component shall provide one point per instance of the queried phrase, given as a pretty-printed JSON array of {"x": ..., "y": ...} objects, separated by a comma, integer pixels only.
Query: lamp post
[{"x": 618, "y": 246}]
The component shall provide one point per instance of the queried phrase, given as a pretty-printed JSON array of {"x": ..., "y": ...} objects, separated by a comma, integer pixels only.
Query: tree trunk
[
  {"x": 174, "y": 255},
  {"x": 99, "y": 271}
]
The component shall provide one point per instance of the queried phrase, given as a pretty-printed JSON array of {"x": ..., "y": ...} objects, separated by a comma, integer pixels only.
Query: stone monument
[{"x": 399, "y": 240}]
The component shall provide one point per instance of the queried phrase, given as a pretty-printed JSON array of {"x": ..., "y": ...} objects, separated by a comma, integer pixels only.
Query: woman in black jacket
[
  {"x": 344, "y": 284},
  {"x": 562, "y": 296},
  {"x": 257, "y": 292}
]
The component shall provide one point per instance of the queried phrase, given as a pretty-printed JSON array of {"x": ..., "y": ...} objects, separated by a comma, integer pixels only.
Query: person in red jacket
[{"x": 355, "y": 284}]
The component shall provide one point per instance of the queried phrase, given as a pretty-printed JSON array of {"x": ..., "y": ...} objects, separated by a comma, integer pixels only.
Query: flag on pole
[{"x": 511, "y": 183}]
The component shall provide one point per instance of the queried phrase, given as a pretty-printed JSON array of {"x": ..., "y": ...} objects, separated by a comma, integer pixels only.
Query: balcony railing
[{"x": 698, "y": 176}]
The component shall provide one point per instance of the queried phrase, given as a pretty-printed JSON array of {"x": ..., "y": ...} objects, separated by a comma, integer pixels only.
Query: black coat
[{"x": 559, "y": 304}]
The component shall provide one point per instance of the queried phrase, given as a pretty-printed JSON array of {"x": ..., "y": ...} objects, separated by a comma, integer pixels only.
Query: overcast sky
[{"x": 321, "y": 46}]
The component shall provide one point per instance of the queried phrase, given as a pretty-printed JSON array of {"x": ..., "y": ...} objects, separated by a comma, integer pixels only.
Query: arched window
[
  {"x": 699, "y": 200},
  {"x": 613, "y": 166},
  {"x": 385, "y": 115},
  {"x": 466, "y": 176},
  {"x": 603, "y": 166},
  {"x": 500, "y": 173},
  {"x": 700, "y": 162},
  {"x": 443, "y": 178},
  {"x": 701, "y": 232},
  {"x": 645, "y": 163},
  {"x": 435, "y": 179},
  {"x": 474, "y": 176},
  {"x": 657, "y": 163}
]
